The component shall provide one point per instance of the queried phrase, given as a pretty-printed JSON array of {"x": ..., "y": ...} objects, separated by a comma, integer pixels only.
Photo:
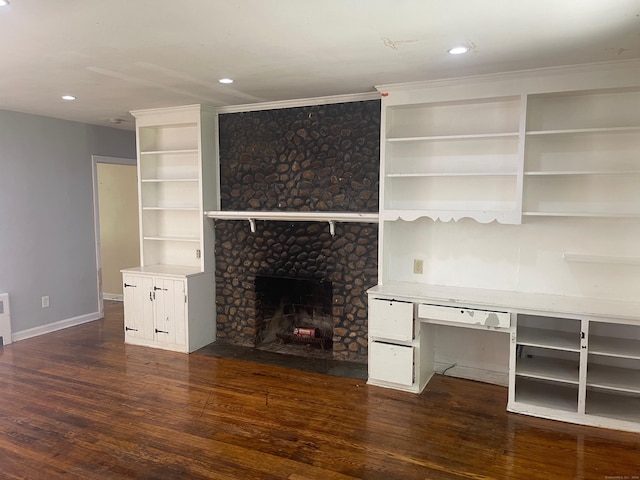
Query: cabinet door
[
  {"x": 138, "y": 306},
  {"x": 170, "y": 311},
  {"x": 391, "y": 319}
]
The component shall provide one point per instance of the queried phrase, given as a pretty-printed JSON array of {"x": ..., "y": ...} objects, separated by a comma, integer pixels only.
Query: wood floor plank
[{"x": 80, "y": 404}]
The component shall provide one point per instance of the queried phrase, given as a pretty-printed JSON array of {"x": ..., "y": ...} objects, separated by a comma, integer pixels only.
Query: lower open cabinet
[{"x": 584, "y": 371}]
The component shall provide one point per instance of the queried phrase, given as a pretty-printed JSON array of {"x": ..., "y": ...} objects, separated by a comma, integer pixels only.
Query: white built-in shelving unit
[
  {"x": 456, "y": 159},
  {"x": 582, "y": 154},
  {"x": 516, "y": 196},
  {"x": 168, "y": 298},
  {"x": 583, "y": 371},
  {"x": 177, "y": 172}
]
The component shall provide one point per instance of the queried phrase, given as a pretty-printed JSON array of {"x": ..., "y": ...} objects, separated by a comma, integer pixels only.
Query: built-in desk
[{"x": 565, "y": 358}]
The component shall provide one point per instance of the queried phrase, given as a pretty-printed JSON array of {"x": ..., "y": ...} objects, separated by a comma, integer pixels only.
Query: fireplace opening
[{"x": 294, "y": 315}]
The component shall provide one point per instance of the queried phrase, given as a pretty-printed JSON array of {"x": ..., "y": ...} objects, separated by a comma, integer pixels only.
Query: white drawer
[
  {"x": 391, "y": 319},
  {"x": 391, "y": 363},
  {"x": 467, "y": 316}
]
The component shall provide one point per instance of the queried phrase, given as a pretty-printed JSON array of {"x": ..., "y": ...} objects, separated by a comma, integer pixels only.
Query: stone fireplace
[{"x": 319, "y": 158}]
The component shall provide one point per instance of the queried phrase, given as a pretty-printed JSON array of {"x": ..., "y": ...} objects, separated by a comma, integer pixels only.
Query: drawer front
[
  {"x": 465, "y": 315},
  {"x": 391, "y": 319},
  {"x": 391, "y": 363}
]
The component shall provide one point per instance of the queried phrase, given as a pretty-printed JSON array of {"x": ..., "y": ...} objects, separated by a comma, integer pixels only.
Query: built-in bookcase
[
  {"x": 177, "y": 165},
  {"x": 168, "y": 298},
  {"x": 583, "y": 154},
  {"x": 521, "y": 193},
  {"x": 449, "y": 160}
]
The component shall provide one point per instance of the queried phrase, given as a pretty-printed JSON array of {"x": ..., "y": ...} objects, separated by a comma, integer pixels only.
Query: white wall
[
  {"x": 530, "y": 257},
  {"x": 47, "y": 238},
  {"x": 119, "y": 237}
]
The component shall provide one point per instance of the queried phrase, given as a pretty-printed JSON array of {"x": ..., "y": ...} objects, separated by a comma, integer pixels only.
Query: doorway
[{"x": 115, "y": 193}]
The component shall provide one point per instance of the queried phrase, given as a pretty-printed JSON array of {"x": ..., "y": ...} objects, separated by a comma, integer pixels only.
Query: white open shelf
[
  {"x": 613, "y": 378},
  {"x": 472, "y": 136},
  {"x": 453, "y": 174},
  {"x": 546, "y": 338},
  {"x": 575, "y": 131},
  {"x": 547, "y": 368},
  {"x": 614, "y": 347},
  {"x": 168, "y": 138},
  {"x": 534, "y": 213},
  {"x": 170, "y": 180},
  {"x": 581, "y": 172},
  {"x": 167, "y": 238},
  {"x": 172, "y": 207},
  {"x": 176, "y": 151},
  {"x": 604, "y": 259},
  {"x": 611, "y": 405},
  {"x": 547, "y": 395}
]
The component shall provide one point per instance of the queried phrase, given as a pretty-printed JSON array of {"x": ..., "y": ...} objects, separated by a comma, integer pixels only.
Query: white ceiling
[{"x": 121, "y": 55}]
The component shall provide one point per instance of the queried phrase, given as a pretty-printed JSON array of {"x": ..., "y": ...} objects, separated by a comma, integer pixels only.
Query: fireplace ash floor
[{"x": 329, "y": 366}]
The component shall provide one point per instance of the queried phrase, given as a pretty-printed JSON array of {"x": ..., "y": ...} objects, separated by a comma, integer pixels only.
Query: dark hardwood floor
[{"x": 79, "y": 404}]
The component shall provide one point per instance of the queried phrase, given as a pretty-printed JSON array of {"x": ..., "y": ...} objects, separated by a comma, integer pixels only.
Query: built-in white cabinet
[
  {"x": 170, "y": 298},
  {"x": 159, "y": 312},
  {"x": 578, "y": 370}
]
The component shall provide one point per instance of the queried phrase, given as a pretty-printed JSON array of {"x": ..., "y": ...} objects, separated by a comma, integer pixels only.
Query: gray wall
[{"x": 47, "y": 240}]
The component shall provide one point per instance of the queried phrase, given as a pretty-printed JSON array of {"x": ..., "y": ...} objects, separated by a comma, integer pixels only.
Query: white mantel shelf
[{"x": 330, "y": 217}]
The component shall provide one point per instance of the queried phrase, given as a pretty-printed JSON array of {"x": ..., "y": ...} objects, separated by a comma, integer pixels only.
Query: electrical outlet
[
  {"x": 45, "y": 301},
  {"x": 418, "y": 266}
]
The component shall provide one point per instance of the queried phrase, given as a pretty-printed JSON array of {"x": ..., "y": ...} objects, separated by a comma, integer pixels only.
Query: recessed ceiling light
[
  {"x": 225, "y": 80},
  {"x": 4, "y": 3},
  {"x": 460, "y": 49},
  {"x": 68, "y": 97}
]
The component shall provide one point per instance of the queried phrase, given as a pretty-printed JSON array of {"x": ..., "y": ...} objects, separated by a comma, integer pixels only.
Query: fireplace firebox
[{"x": 293, "y": 311}]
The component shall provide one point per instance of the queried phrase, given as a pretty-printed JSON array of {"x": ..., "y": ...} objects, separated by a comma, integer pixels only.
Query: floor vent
[{"x": 5, "y": 320}]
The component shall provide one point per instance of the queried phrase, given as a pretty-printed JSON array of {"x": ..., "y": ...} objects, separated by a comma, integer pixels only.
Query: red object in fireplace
[{"x": 306, "y": 332}]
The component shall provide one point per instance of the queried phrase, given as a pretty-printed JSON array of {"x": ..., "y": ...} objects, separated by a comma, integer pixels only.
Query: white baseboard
[
  {"x": 113, "y": 296},
  {"x": 53, "y": 327},
  {"x": 474, "y": 373}
]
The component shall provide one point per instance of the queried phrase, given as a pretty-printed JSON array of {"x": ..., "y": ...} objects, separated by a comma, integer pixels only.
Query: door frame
[{"x": 95, "y": 159}]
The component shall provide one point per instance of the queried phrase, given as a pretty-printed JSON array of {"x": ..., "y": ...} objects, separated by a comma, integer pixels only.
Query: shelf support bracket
[
  {"x": 332, "y": 227},
  {"x": 252, "y": 224}
]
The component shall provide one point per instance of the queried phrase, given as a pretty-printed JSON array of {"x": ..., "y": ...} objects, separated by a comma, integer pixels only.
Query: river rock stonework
[{"x": 317, "y": 158}]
